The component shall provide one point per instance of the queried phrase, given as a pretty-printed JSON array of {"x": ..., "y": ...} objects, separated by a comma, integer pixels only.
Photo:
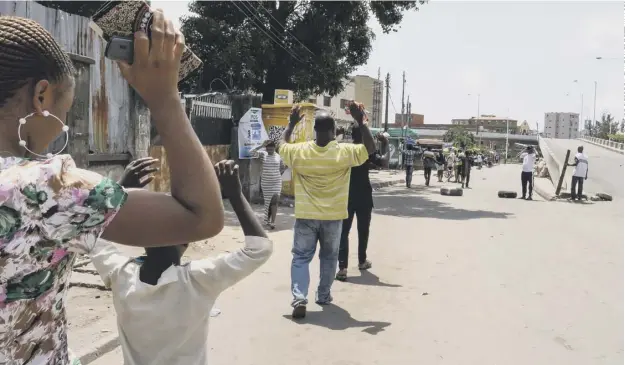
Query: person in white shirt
[
  {"x": 580, "y": 174},
  {"x": 163, "y": 307},
  {"x": 529, "y": 157}
]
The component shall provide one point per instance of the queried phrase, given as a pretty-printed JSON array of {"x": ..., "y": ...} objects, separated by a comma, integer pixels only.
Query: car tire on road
[
  {"x": 604, "y": 196},
  {"x": 507, "y": 194},
  {"x": 451, "y": 191}
]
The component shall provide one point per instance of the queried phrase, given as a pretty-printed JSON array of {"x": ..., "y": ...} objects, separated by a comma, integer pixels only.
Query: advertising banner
[{"x": 252, "y": 132}]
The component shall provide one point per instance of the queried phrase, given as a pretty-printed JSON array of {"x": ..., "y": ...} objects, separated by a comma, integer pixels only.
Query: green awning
[{"x": 398, "y": 132}]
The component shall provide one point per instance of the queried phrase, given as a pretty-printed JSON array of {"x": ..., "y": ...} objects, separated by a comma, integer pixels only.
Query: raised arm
[
  {"x": 357, "y": 112},
  {"x": 194, "y": 209},
  {"x": 216, "y": 275},
  {"x": 384, "y": 150},
  {"x": 295, "y": 117}
]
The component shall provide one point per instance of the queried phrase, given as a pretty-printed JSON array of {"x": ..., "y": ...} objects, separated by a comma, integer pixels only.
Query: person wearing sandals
[
  {"x": 270, "y": 180},
  {"x": 360, "y": 203},
  {"x": 321, "y": 172}
]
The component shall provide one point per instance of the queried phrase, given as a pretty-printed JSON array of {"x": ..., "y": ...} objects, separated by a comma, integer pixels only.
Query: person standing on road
[
  {"x": 440, "y": 165},
  {"x": 527, "y": 173},
  {"x": 580, "y": 174},
  {"x": 429, "y": 162},
  {"x": 147, "y": 288},
  {"x": 460, "y": 160},
  {"x": 451, "y": 163},
  {"x": 466, "y": 169},
  {"x": 409, "y": 154},
  {"x": 270, "y": 180},
  {"x": 50, "y": 210},
  {"x": 360, "y": 203},
  {"x": 321, "y": 173}
]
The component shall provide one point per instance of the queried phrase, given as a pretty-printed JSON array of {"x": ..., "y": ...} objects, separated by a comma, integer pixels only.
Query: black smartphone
[{"x": 120, "y": 49}]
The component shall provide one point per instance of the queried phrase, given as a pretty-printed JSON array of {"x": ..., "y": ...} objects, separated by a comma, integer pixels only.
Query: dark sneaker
[
  {"x": 299, "y": 311},
  {"x": 365, "y": 265},
  {"x": 341, "y": 275},
  {"x": 529, "y": 198},
  {"x": 523, "y": 198}
]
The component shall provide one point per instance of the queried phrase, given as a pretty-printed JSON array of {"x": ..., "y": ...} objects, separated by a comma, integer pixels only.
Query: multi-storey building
[
  {"x": 561, "y": 125},
  {"x": 488, "y": 123}
]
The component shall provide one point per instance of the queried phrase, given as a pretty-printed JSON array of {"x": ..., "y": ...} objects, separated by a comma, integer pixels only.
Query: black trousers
[
  {"x": 459, "y": 173},
  {"x": 409, "y": 175},
  {"x": 466, "y": 178},
  {"x": 526, "y": 181},
  {"x": 427, "y": 172},
  {"x": 578, "y": 182},
  {"x": 363, "y": 215}
]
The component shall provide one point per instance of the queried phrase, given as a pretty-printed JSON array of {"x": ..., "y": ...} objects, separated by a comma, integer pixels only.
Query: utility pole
[
  {"x": 403, "y": 88},
  {"x": 594, "y": 108},
  {"x": 408, "y": 111},
  {"x": 388, "y": 83}
]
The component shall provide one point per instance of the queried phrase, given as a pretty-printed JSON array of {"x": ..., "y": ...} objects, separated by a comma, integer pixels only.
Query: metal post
[
  {"x": 594, "y": 108},
  {"x": 507, "y": 132},
  {"x": 388, "y": 82},
  {"x": 561, "y": 180}
]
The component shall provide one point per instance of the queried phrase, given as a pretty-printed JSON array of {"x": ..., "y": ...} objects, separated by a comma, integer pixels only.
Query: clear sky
[{"x": 520, "y": 56}]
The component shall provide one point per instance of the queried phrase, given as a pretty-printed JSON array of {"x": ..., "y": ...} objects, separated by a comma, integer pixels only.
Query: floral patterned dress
[{"x": 50, "y": 211}]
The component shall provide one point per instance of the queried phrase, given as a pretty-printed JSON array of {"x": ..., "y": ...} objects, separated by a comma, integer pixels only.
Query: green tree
[
  {"x": 459, "y": 137},
  {"x": 317, "y": 43},
  {"x": 606, "y": 125}
]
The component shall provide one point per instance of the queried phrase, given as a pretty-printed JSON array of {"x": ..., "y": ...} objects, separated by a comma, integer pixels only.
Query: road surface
[
  {"x": 455, "y": 280},
  {"x": 605, "y": 167}
]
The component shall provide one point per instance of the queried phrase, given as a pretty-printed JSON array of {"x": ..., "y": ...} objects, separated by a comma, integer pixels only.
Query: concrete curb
[
  {"x": 100, "y": 348},
  {"x": 384, "y": 184},
  {"x": 601, "y": 145}
]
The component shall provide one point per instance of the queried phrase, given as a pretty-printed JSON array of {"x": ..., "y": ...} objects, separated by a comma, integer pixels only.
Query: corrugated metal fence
[{"x": 109, "y": 110}]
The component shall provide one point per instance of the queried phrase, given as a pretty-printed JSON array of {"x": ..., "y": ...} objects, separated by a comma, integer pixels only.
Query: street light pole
[{"x": 594, "y": 107}]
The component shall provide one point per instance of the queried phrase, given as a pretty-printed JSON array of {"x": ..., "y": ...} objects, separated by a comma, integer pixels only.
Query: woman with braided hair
[{"x": 50, "y": 210}]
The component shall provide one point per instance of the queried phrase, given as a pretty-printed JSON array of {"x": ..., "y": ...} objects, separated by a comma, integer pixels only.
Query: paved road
[
  {"x": 605, "y": 173},
  {"x": 455, "y": 280}
]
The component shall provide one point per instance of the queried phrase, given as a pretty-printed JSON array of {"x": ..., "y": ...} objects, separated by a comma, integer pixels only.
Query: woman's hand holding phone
[{"x": 154, "y": 71}]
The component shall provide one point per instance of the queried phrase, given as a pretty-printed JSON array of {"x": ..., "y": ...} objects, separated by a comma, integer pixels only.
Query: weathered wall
[
  {"x": 162, "y": 181},
  {"x": 109, "y": 127}
]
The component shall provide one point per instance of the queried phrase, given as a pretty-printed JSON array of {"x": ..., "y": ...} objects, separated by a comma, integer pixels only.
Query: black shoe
[
  {"x": 299, "y": 311},
  {"x": 523, "y": 198},
  {"x": 529, "y": 198}
]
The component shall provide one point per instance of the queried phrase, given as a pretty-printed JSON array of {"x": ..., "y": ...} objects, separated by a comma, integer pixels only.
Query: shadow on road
[
  {"x": 336, "y": 318},
  {"x": 415, "y": 203},
  {"x": 370, "y": 279}
]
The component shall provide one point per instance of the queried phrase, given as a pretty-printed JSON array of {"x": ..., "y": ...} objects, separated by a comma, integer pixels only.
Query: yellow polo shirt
[{"x": 321, "y": 177}]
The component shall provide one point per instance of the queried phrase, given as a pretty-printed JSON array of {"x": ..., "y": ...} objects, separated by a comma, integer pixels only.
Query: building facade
[
  {"x": 364, "y": 89},
  {"x": 561, "y": 125},
  {"x": 413, "y": 119},
  {"x": 488, "y": 123}
]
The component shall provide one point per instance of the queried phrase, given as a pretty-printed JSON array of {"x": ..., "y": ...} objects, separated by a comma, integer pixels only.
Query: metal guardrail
[{"x": 604, "y": 142}]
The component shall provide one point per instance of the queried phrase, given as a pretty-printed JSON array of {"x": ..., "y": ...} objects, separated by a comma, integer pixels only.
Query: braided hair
[{"x": 28, "y": 52}]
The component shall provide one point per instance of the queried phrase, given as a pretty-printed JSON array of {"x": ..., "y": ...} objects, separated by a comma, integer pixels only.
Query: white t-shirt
[
  {"x": 528, "y": 161},
  {"x": 582, "y": 165},
  {"x": 167, "y": 323}
]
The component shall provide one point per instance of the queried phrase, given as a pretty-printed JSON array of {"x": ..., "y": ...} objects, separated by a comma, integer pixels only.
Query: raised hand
[
  {"x": 228, "y": 174},
  {"x": 138, "y": 173},
  {"x": 296, "y": 115},
  {"x": 382, "y": 137},
  {"x": 357, "y": 111},
  {"x": 154, "y": 72}
]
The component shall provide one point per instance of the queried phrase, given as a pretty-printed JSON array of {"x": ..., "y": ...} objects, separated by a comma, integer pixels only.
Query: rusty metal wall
[{"x": 109, "y": 112}]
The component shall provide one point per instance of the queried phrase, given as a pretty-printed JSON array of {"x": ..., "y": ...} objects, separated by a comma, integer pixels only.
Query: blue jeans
[{"x": 306, "y": 234}]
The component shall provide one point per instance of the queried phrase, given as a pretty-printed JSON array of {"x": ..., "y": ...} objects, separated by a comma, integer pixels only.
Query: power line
[
  {"x": 286, "y": 30},
  {"x": 261, "y": 28}
]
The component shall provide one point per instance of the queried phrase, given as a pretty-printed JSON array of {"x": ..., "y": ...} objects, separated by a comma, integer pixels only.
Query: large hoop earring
[{"x": 46, "y": 114}]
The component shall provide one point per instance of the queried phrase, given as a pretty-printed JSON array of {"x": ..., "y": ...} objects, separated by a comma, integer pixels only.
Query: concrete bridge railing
[
  {"x": 615, "y": 146},
  {"x": 554, "y": 163}
]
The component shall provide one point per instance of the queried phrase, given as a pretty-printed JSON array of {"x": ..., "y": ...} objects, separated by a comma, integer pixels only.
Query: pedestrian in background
[
  {"x": 440, "y": 165},
  {"x": 321, "y": 172},
  {"x": 579, "y": 175},
  {"x": 409, "y": 154},
  {"x": 467, "y": 163},
  {"x": 429, "y": 162},
  {"x": 527, "y": 173},
  {"x": 460, "y": 160},
  {"x": 270, "y": 179}
]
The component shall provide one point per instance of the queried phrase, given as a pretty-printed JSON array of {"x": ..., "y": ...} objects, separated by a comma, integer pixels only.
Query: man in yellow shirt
[{"x": 321, "y": 172}]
